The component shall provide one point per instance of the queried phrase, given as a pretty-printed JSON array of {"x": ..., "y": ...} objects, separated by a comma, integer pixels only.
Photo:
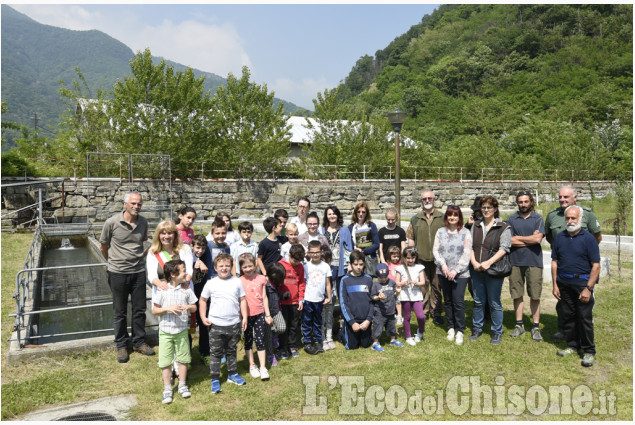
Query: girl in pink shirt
[{"x": 258, "y": 312}]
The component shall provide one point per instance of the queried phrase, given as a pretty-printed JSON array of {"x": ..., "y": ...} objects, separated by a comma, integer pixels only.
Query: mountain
[
  {"x": 35, "y": 57},
  {"x": 508, "y": 85}
]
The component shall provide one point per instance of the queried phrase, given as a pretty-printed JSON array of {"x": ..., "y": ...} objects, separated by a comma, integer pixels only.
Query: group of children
[{"x": 287, "y": 297}]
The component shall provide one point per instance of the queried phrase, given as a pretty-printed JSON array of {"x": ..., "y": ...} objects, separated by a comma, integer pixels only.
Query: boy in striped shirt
[{"x": 174, "y": 306}]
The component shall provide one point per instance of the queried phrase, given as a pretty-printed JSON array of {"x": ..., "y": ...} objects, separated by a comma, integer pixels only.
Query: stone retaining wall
[{"x": 98, "y": 199}]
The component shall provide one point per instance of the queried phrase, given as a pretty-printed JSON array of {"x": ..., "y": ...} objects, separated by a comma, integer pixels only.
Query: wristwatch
[{"x": 590, "y": 289}]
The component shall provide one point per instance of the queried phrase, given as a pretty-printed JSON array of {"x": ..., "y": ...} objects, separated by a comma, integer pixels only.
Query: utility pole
[{"x": 35, "y": 121}]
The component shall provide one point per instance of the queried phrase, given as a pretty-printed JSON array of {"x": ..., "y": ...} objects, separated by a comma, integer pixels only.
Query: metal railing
[
  {"x": 23, "y": 280},
  {"x": 296, "y": 170}
]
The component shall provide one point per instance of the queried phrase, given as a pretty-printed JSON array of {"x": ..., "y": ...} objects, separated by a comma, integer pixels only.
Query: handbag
[
  {"x": 370, "y": 265},
  {"x": 503, "y": 267},
  {"x": 279, "y": 326}
]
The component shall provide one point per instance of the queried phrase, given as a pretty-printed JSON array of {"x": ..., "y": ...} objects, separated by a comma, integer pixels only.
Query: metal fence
[{"x": 115, "y": 166}]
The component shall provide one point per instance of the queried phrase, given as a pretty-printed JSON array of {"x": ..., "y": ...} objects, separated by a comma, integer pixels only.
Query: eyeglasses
[{"x": 430, "y": 198}]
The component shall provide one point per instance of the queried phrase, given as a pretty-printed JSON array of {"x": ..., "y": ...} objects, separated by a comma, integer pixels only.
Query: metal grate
[{"x": 88, "y": 416}]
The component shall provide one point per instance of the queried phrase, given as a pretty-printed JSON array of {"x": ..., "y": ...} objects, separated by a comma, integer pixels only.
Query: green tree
[
  {"x": 246, "y": 132},
  {"x": 354, "y": 146},
  {"x": 84, "y": 126},
  {"x": 156, "y": 110}
]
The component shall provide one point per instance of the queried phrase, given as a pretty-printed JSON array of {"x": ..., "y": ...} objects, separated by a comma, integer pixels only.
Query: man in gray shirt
[{"x": 122, "y": 241}]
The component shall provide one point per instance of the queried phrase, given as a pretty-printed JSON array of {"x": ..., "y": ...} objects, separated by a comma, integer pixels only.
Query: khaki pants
[{"x": 432, "y": 294}]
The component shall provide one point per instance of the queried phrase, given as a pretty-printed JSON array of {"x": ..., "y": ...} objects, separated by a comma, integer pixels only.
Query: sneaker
[
  {"x": 566, "y": 352},
  {"x": 216, "y": 386},
  {"x": 185, "y": 392},
  {"x": 332, "y": 345},
  {"x": 438, "y": 320},
  {"x": 122, "y": 355},
  {"x": 144, "y": 349},
  {"x": 264, "y": 374},
  {"x": 308, "y": 348},
  {"x": 236, "y": 379},
  {"x": 326, "y": 346},
  {"x": 378, "y": 347},
  {"x": 411, "y": 341},
  {"x": 458, "y": 339},
  {"x": 396, "y": 343},
  {"x": 254, "y": 371},
  {"x": 557, "y": 336},
  {"x": 167, "y": 397},
  {"x": 294, "y": 352},
  {"x": 496, "y": 339},
  {"x": 399, "y": 320},
  {"x": 475, "y": 335},
  {"x": 535, "y": 334},
  {"x": 318, "y": 347},
  {"x": 272, "y": 360},
  {"x": 284, "y": 355},
  {"x": 419, "y": 337},
  {"x": 588, "y": 360},
  {"x": 450, "y": 336},
  {"x": 518, "y": 331}
]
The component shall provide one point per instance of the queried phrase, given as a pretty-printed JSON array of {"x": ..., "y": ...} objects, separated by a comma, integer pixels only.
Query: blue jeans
[{"x": 488, "y": 288}]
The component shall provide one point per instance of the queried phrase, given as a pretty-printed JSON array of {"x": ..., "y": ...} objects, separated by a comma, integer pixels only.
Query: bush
[{"x": 14, "y": 165}]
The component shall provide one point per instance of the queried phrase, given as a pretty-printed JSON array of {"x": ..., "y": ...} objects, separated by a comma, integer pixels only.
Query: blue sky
[{"x": 297, "y": 50}]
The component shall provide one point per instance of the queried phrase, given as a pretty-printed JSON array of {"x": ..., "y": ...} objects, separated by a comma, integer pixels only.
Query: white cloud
[
  {"x": 64, "y": 16},
  {"x": 300, "y": 92},
  {"x": 213, "y": 48}
]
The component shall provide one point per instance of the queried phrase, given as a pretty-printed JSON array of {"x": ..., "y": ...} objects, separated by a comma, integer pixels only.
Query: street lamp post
[{"x": 397, "y": 118}]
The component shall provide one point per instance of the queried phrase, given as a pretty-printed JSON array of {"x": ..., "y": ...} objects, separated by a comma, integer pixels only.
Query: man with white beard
[
  {"x": 555, "y": 223},
  {"x": 575, "y": 267},
  {"x": 420, "y": 234}
]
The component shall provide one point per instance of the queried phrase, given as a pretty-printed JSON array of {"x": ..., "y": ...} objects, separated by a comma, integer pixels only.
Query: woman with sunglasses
[
  {"x": 491, "y": 240},
  {"x": 452, "y": 250}
]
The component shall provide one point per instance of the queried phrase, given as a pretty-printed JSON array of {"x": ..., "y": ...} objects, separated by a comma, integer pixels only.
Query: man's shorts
[
  {"x": 169, "y": 344},
  {"x": 522, "y": 274}
]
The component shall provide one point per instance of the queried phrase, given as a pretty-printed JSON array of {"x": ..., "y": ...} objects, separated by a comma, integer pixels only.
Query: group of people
[{"x": 279, "y": 293}]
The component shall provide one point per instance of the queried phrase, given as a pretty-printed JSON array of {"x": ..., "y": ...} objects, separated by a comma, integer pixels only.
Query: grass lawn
[{"x": 516, "y": 367}]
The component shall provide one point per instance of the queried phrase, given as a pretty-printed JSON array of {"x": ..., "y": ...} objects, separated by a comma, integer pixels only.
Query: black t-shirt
[
  {"x": 270, "y": 251},
  {"x": 391, "y": 238}
]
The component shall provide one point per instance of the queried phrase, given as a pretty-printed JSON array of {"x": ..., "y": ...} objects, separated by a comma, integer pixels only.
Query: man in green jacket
[{"x": 421, "y": 232}]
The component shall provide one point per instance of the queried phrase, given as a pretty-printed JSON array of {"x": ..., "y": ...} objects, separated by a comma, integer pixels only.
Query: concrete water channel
[{"x": 64, "y": 303}]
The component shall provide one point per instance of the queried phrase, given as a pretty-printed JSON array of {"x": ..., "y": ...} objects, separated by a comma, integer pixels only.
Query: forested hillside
[
  {"x": 536, "y": 86},
  {"x": 36, "y": 57}
]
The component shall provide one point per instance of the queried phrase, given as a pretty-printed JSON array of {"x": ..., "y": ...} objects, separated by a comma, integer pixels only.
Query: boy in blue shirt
[
  {"x": 383, "y": 293},
  {"x": 356, "y": 304}
]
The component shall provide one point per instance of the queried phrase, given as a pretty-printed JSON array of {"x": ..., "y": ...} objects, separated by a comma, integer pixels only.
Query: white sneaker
[
  {"x": 410, "y": 341},
  {"x": 451, "y": 334},
  {"x": 264, "y": 374},
  {"x": 419, "y": 337},
  {"x": 399, "y": 320},
  {"x": 459, "y": 338},
  {"x": 254, "y": 371}
]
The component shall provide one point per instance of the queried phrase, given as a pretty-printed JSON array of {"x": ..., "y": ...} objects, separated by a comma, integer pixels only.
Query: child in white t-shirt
[
  {"x": 317, "y": 293},
  {"x": 410, "y": 277}
]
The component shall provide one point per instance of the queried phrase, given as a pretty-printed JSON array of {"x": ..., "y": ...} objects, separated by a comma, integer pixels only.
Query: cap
[{"x": 381, "y": 270}]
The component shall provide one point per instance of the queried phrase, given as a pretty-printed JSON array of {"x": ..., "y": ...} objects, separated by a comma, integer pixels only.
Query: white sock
[{"x": 181, "y": 383}]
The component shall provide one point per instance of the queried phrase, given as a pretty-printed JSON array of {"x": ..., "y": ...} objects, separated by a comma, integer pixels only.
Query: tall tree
[{"x": 246, "y": 132}]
